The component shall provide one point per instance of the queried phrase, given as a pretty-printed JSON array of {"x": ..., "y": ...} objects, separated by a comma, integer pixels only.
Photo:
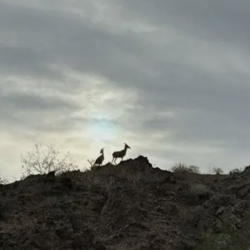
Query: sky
[{"x": 168, "y": 77}]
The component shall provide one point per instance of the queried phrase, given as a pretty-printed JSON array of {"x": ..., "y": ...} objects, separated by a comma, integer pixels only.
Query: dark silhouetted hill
[{"x": 128, "y": 206}]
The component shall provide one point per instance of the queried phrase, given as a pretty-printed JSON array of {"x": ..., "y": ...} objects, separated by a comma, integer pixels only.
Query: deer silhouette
[{"x": 120, "y": 154}]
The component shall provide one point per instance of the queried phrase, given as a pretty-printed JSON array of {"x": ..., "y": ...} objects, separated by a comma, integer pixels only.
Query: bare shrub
[
  {"x": 235, "y": 171},
  {"x": 3, "y": 181},
  {"x": 91, "y": 163},
  {"x": 43, "y": 159},
  {"x": 183, "y": 168},
  {"x": 217, "y": 171},
  {"x": 194, "y": 169},
  {"x": 179, "y": 168}
]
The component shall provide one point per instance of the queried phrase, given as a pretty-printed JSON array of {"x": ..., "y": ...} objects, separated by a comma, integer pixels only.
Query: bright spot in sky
[{"x": 103, "y": 131}]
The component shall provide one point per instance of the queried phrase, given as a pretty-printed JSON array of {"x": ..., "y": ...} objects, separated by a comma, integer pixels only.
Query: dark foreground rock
[{"x": 129, "y": 206}]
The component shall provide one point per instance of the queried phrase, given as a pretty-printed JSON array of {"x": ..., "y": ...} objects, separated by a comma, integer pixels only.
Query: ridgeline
[{"x": 131, "y": 206}]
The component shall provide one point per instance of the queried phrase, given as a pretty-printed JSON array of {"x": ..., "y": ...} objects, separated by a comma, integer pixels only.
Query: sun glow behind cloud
[
  {"x": 105, "y": 107},
  {"x": 103, "y": 131}
]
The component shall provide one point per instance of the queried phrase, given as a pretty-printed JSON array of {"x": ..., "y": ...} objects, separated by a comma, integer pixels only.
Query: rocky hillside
[{"x": 128, "y": 206}]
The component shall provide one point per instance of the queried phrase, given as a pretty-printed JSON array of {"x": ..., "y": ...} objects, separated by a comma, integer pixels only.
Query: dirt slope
[{"x": 129, "y": 206}]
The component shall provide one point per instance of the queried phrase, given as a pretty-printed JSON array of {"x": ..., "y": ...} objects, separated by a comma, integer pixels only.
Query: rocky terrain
[{"x": 129, "y": 206}]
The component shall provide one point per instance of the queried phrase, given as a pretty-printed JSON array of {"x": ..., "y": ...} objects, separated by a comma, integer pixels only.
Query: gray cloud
[
  {"x": 36, "y": 110},
  {"x": 213, "y": 20},
  {"x": 172, "y": 73},
  {"x": 31, "y": 101}
]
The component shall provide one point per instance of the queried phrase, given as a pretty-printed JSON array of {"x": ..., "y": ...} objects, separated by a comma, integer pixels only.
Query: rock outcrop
[{"x": 128, "y": 206}]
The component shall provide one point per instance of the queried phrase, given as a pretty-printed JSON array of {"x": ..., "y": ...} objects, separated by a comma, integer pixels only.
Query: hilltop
[{"x": 131, "y": 206}]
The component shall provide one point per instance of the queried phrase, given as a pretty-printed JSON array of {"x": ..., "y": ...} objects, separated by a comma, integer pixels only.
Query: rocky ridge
[{"x": 131, "y": 206}]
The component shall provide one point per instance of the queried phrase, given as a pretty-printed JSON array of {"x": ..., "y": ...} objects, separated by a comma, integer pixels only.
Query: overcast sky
[{"x": 168, "y": 77}]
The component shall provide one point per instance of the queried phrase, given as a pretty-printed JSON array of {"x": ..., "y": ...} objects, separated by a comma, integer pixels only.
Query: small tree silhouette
[
  {"x": 217, "y": 171},
  {"x": 43, "y": 159},
  {"x": 91, "y": 163}
]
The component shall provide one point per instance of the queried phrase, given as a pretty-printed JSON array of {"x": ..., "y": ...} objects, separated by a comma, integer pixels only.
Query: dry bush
[
  {"x": 43, "y": 159},
  {"x": 235, "y": 171},
  {"x": 194, "y": 169},
  {"x": 3, "y": 181},
  {"x": 183, "y": 168},
  {"x": 217, "y": 171}
]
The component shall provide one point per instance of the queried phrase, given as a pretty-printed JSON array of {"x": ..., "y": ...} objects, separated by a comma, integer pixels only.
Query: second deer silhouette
[
  {"x": 100, "y": 159},
  {"x": 120, "y": 154}
]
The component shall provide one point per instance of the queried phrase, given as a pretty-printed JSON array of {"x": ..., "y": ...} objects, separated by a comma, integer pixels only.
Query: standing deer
[{"x": 120, "y": 154}]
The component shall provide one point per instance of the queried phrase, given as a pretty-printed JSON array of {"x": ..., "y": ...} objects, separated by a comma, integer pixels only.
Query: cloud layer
[{"x": 170, "y": 78}]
